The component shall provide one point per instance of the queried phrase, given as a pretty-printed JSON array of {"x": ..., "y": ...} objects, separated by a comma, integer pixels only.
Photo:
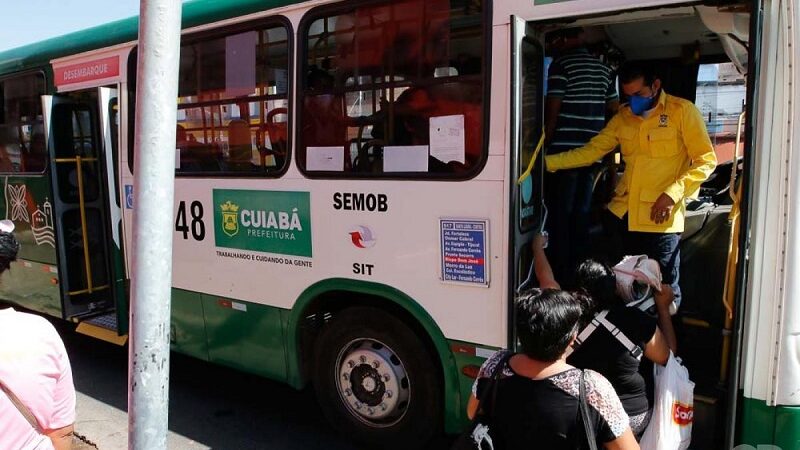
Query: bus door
[
  {"x": 528, "y": 213},
  {"x": 80, "y": 202}
]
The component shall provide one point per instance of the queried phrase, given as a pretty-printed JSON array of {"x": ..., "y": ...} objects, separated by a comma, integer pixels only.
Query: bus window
[
  {"x": 22, "y": 143},
  {"x": 232, "y": 104},
  {"x": 393, "y": 89}
]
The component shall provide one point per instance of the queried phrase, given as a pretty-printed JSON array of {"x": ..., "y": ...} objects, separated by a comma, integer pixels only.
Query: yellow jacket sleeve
[
  {"x": 701, "y": 153},
  {"x": 596, "y": 148}
]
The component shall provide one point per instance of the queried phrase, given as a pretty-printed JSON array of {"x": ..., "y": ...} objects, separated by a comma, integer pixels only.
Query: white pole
[{"x": 154, "y": 171}]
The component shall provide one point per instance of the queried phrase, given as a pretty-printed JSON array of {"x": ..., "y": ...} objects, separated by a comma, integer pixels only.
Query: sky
[{"x": 26, "y": 21}]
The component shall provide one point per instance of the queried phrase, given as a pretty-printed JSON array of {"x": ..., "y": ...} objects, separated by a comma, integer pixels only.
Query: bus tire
[{"x": 375, "y": 380}]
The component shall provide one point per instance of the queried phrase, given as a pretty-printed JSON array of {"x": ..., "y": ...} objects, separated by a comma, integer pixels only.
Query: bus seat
[
  {"x": 277, "y": 130},
  {"x": 240, "y": 148}
]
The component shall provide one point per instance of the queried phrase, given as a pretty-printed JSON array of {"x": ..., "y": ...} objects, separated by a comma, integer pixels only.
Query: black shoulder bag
[
  {"x": 584, "y": 407},
  {"x": 476, "y": 435}
]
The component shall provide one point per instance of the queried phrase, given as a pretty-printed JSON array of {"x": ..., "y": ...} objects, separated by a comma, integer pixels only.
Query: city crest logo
[{"x": 230, "y": 218}]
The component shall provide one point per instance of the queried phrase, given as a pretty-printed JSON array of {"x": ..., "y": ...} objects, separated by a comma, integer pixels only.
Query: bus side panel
[
  {"x": 758, "y": 422},
  {"x": 246, "y": 336},
  {"x": 770, "y": 425},
  {"x": 32, "y": 282},
  {"x": 787, "y": 427},
  {"x": 187, "y": 327}
]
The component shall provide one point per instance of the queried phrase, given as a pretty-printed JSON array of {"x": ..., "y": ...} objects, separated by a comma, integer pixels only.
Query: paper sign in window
[
  {"x": 447, "y": 138},
  {"x": 329, "y": 159},
  {"x": 240, "y": 64},
  {"x": 410, "y": 158}
]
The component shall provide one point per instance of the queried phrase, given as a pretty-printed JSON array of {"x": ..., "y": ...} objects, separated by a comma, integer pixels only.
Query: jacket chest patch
[{"x": 663, "y": 120}]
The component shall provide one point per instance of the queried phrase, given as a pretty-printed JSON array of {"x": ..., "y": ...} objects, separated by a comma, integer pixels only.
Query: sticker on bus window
[
  {"x": 128, "y": 196},
  {"x": 405, "y": 158},
  {"x": 463, "y": 245},
  {"x": 447, "y": 138},
  {"x": 327, "y": 159}
]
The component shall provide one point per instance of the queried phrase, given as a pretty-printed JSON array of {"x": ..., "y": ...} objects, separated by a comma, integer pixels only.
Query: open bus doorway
[
  {"x": 701, "y": 54},
  {"x": 81, "y": 129}
]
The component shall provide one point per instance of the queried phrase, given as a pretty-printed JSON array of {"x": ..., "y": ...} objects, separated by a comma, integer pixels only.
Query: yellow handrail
[
  {"x": 729, "y": 291},
  {"x": 79, "y": 160},
  {"x": 75, "y": 159},
  {"x": 87, "y": 291}
]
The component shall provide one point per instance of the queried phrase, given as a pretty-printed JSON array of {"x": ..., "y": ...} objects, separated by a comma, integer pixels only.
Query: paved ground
[{"x": 210, "y": 406}]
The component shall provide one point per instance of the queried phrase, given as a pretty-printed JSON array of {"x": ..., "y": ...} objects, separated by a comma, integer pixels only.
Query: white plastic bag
[{"x": 670, "y": 427}]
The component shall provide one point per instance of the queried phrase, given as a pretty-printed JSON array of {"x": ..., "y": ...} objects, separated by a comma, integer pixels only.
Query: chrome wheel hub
[{"x": 372, "y": 382}]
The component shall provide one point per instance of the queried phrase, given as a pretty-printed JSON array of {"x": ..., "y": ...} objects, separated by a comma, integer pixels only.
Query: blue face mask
[{"x": 639, "y": 103}]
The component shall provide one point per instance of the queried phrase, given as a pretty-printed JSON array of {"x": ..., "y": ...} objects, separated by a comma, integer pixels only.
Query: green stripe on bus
[{"x": 769, "y": 425}]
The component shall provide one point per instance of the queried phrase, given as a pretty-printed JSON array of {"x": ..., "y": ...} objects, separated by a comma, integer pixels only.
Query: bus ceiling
[{"x": 669, "y": 32}]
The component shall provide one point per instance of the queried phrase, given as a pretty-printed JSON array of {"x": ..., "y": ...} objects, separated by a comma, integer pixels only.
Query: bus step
[{"x": 103, "y": 327}]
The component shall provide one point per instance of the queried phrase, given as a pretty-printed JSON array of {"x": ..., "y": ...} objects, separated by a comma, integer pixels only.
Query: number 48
[{"x": 198, "y": 228}]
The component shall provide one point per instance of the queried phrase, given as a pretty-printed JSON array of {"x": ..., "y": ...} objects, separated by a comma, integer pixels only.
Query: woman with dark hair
[
  {"x": 617, "y": 359},
  {"x": 537, "y": 403},
  {"x": 605, "y": 353}
]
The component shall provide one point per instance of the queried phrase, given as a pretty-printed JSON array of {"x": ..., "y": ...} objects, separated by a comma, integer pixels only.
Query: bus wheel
[{"x": 376, "y": 381}]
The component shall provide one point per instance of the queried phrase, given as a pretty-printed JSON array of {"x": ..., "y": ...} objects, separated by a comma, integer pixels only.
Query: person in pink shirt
[{"x": 37, "y": 396}]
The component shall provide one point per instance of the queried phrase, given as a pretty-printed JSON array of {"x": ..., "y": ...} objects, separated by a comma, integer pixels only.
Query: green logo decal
[{"x": 263, "y": 221}]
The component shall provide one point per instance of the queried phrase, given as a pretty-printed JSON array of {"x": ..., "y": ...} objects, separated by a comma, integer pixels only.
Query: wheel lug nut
[
  {"x": 370, "y": 411},
  {"x": 383, "y": 407},
  {"x": 345, "y": 376},
  {"x": 388, "y": 394},
  {"x": 348, "y": 392},
  {"x": 358, "y": 405},
  {"x": 376, "y": 364},
  {"x": 351, "y": 363},
  {"x": 386, "y": 377},
  {"x": 363, "y": 358}
]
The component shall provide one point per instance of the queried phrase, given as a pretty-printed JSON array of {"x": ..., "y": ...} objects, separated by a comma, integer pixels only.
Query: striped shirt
[{"x": 585, "y": 85}]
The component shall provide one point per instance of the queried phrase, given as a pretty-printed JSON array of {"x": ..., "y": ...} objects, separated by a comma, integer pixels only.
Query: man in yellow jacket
[{"x": 667, "y": 154}]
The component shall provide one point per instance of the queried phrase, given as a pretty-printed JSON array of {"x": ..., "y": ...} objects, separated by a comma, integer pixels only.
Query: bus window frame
[
  {"x": 324, "y": 11},
  {"x": 45, "y": 80},
  {"x": 259, "y": 24}
]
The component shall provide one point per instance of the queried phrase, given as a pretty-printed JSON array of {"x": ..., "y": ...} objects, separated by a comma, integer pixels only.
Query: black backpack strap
[
  {"x": 491, "y": 387},
  {"x": 584, "y": 407}
]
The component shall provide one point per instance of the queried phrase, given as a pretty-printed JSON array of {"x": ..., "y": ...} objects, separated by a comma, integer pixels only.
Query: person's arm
[
  {"x": 664, "y": 340},
  {"x": 657, "y": 349},
  {"x": 596, "y": 148},
  {"x": 664, "y": 300},
  {"x": 472, "y": 407},
  {"x": 61, "y": 437},
  {"x": 541, "y": 265},
  {"x": 701, "y": 152},
  {"x": 625, "y": 442},
  {"x": 486, "y": 371}
]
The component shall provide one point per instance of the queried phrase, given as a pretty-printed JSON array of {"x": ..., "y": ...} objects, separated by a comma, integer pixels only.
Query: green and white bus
[{"x": 347, "y": 206}]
